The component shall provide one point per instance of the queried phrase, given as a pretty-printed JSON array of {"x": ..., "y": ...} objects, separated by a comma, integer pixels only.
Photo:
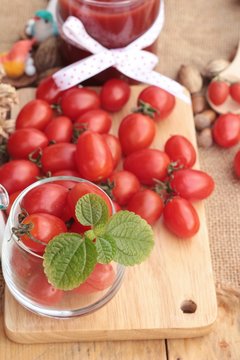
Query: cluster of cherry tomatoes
[
  {"x": 93, "y": 154},
  {"x": 76, "y": 142},
  {"x": 226, "y": 129}
]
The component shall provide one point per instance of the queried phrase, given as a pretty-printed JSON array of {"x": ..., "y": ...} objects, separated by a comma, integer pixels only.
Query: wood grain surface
[{"x": 150, "y": 303}]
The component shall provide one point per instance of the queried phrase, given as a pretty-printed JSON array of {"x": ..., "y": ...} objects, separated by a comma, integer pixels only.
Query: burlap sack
[{"x": 195, "y": 32}]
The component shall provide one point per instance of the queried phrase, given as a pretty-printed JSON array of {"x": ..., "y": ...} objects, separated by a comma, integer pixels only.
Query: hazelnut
[
  {"x": 204, "y": 119},
  {"x": 204, "y": 138},
  {"x": 199, "y": 103},
  {"x": 215, "y": 67},
  {"x": 190, "y": 77}
]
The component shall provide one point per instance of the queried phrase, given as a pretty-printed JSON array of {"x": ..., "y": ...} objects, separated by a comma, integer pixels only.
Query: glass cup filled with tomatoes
[{"x": 44, "y": 210}]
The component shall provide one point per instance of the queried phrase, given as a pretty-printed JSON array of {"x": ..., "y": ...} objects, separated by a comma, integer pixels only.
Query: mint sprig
[{"x": 124, "y": 237}]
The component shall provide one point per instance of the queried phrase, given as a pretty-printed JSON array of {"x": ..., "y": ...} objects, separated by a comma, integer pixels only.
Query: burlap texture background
[{"x": 194, "y": 32}]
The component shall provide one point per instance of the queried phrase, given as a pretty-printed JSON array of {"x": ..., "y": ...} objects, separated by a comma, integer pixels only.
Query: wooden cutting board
[{"x": 171, "y": 295}]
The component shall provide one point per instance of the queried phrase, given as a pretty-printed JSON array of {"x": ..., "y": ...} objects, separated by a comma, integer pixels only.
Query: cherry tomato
[
  {"x": 116, "y": 206},
  {"x": 226, "y": 130},
  {"x": 114, "y": 94},
  {"x": 100, "y": 279},
  {"x": 235, "y": 91},
  {"x": 24, "y": 141},
  {"x": 35, "y": 114},
  {"x": 147, "y": 204},
  {"x": 181, "y": 151},
  {"x": 180, "y": 217},
  {"x": 45, "y": 198},
  {"x": 12, "y": 198},
  {"x": 59, "y": 157},
  {"x": 48, "y": 91},
  {"x": 75, "y": 102},
  {"x": 18, "y": 174},
  {"x": 157, "y": 99},
  {"x": 95, "y": 120},
  {"x": 147, "y": 165},
  {"x": 59, "y": 129},
  {"x": 125, "y": 185},
  {"x": 115, "y": 147},
  {"x": 218, "y": 91},
  {"x": 42, "y": 227},
  {"x": 69, "y": 184},
  {"x": 237, "y": 164},
  {"x": 41, "y": 291},
  {"x": 93, "y": 157},
  {"x": 23, "y": 264},
  {"x": 192, "y": 184},
  {"x": 78, "y": 228},
  {"x": 82, "y": 189},
  {"x": 136, "y": 132}
]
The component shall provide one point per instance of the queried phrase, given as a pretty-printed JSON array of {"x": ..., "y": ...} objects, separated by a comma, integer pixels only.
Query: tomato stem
[
  {"x": 35, "y": 156},
  {"x": 107, "y": 186},
  {"x": 146, "y": 109}
]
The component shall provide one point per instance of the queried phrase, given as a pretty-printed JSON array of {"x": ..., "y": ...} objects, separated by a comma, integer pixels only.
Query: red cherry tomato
[
  {"x": 115, "y": 148},
  {"x": 237, "y": 164},
  {"x": 82, "y": 189},
  {"x": 181, "y": 151},
  {"x": 42, "y": 227},
  {"x": 180, "y": 217},
  {"x": 95, "y": 120},
  {"x": 93, "y": 157},
  {"x": 116, "y": 206},
  {"x": 192, "y": 184},
  {"x": 161, "y": 101},
  {"x": 59, "y": 129},
  {"x": 226, "y": 130},
  {"x": 101, "y": 278},
  {"x": 59, "y": 157},
  {"x": 75, "y": 102},
  {"x": 218, "y": 92},
  {"x": 23, "y": 264},
  {"x": 136, "y": 132},
  {"x": 69, "y": 184},
  {"x": 24, "y": 141},
  {"x": 78, "y": 228},
  {"x": 125, "y": 185},
  {"x": 147, "y": 204},
  {"x": 18, "y": 174},
  {"x": 48, "y": 91},
  {"x": 35, "y": 114},
  {"x": 40, "y": 291},
  {"x": 45, "y": 198},
  {"x": 235, "y": 92},
  {"x": 147, "y": 165},
  {"x": 114, "y": 94}
]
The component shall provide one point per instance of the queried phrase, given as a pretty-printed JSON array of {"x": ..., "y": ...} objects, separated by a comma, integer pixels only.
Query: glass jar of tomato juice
[{"x": 113, "y": 23}]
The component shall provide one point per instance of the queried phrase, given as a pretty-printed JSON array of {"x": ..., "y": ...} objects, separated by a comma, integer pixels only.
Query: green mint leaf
[
  {"x": 69, "y": 259},
  {"x": 91, "y": 210},
  {"x": 106, "y": 249},
  {"x": 133, "y": 237}
]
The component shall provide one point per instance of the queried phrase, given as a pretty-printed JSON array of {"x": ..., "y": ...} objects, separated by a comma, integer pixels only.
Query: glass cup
[
  {"x": 113, "y": 23},
  {"x": 25, "y": 278}
]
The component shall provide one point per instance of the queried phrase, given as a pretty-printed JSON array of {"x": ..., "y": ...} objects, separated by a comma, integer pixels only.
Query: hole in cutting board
[{"x": 188, "y": 307}]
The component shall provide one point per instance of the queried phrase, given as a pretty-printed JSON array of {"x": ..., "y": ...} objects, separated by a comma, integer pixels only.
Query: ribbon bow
[{"x": 131, "y": 60}]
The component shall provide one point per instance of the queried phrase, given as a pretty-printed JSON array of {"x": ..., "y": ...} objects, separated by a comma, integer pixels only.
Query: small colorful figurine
[
  {"x": 18, "y": 59},
  {"x": 42, "y": 26}
]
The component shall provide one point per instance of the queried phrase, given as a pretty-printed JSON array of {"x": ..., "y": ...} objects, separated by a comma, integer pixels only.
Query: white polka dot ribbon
[{"x": 131, "y": 60}]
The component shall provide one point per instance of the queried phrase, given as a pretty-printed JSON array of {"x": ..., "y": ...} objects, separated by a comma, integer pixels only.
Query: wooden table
[{"x": 221, "y": 344}]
